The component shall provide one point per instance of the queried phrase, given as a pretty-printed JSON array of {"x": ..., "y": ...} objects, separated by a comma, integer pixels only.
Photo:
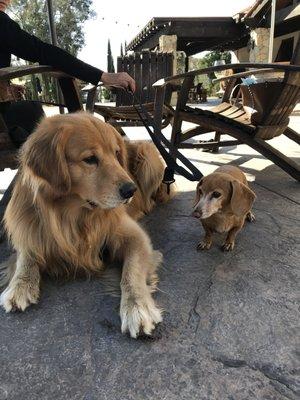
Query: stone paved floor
[{"x": 231, "y": 323}]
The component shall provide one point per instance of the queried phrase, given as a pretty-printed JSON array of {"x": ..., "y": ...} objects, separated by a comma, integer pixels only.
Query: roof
[{"x": 194, "y": 34}]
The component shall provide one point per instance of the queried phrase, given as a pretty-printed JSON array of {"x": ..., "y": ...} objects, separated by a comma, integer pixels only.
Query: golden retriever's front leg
[
  {"x": 24, "y": 286},
  {"x": 137, "y": 310}
]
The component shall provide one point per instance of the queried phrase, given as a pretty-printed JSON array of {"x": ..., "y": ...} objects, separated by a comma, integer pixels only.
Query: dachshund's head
[{"x": 218, "y": 191}]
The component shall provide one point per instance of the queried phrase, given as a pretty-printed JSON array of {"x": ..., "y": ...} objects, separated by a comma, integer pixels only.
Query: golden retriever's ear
[
  {"x": 122, "y": 156},
  {"x": 242, "y": 198},
  {"x": 44, "y": 155}
]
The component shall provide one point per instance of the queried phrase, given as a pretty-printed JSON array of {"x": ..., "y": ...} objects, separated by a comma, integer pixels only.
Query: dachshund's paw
[
  {"x": 19, "y": 296},
  {"x": 204, "y": 245},
  {"x": 250, "y": 216},
  {"x": 228, "y": 246},
  {"x": 139, "y": 316}
]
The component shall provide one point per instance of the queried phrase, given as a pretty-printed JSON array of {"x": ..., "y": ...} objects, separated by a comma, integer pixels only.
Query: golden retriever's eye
[
  {"x": 118, "y": 155},
  {"x": 91, "y": 160},
  {"x": 216, "y": 195}
]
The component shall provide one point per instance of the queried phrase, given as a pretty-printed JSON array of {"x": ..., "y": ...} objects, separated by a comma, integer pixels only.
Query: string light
[{"x": 119, "y": 22}]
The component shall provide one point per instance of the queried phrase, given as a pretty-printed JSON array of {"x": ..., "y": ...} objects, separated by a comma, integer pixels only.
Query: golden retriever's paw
[
  {"x": 139, "y": 316},
  {"x": 228, "y": 246},
  {"x": 157, "y": 257},
  {"x": 250, "y": 216},
  {"x": 204, "y": 245},
  {"x": 18, "y": 297}
]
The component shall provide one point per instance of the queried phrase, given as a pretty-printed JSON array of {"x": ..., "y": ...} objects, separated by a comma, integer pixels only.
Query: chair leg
[
  {"x": 217, "y": 138},
  {"x": 285, "y": 163},
  {"x": 293, "y": 135}
]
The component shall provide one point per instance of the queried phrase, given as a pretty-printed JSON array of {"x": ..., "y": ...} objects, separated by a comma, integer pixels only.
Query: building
[{"x": 246, "y": 33}]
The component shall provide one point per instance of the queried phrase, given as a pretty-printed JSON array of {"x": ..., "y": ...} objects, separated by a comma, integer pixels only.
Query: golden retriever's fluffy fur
[{"x": 69, "y": 202}]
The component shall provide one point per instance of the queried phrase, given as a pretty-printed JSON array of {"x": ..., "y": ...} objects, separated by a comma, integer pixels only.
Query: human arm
[{"x": 30, "y": 48}]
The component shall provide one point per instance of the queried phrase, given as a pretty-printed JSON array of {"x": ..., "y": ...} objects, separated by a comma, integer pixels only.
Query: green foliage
[
  {"x": 69, "y": 16},
  {"x": 205, "y": 62},
  {"x": 110, "y": 60},
  {"x": 213, "y": 56}
]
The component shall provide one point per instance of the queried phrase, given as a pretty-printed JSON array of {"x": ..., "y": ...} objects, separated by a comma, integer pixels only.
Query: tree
[
  {"x": 69, "y": 16},
  {"x": 121, "y": 51},
  {"x": 110, "y": 60},
  {"x": 213, "y": 56}
]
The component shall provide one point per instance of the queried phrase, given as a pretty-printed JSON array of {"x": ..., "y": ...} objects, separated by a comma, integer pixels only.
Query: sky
[{"x": 124, "y": 19}]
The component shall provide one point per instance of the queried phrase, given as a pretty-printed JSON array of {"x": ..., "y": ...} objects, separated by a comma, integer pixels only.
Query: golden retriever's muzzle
[{"x": 127, "y": 190}]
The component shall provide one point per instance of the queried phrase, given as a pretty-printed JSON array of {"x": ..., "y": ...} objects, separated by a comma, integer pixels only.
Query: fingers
[
  {"x": 126, "y": 81},
  {"x": 131, "y": 84},
  {"x": 121, "y": 79}
]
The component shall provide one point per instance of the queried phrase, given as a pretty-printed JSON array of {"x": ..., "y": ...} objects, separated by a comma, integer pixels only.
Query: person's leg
[
  {"x": 21, "y": 118},
  {"x": 3, "y": 204}
]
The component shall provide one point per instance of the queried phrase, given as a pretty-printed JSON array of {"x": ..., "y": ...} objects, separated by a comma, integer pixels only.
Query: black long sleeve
[{"x": 13, "y": 40}]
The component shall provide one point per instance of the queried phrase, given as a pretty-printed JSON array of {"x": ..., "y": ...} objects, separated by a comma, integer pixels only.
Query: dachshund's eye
[
  {"x": 91, "y": 160},
  {"x": 216, "y": 195}
]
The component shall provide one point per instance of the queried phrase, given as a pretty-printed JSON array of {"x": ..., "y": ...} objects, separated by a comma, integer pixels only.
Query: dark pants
[{"x": 21, "y": 118}]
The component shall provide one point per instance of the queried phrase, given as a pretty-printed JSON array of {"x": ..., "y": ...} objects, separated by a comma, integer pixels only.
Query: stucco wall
[{"x": 246, "y": 54}]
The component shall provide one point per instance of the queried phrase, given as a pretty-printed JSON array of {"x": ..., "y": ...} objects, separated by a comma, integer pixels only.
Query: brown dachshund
[{"x": 223, "y": 202}]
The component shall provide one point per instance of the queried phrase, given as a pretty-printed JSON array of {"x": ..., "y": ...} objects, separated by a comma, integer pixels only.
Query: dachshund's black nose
[{"x": 127, "y": 190}]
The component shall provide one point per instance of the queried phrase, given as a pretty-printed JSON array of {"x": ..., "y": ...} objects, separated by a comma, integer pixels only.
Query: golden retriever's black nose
[{"x": 127, "y": 190}]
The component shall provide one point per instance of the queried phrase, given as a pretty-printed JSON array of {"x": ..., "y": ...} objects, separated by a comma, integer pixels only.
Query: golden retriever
[
  {"x": 71, "y": 200},
  {"x": 223, "y": 202}
]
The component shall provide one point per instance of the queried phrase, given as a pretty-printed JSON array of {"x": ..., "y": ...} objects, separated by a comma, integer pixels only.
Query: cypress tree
[{"x": 110, "y": 60}]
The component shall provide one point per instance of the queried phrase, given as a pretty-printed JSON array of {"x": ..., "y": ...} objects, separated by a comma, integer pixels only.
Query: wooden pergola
[{"x": 194, "y": 34}]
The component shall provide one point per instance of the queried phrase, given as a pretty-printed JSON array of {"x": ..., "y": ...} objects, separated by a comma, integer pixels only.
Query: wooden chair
[
  {"x": 232, "y": 120},
  {"x": 146, "y": 68},
  {"x": 71, "y": 96}
]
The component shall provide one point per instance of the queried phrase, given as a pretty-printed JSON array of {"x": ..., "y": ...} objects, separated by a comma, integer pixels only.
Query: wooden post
[
  {"x": 54, "y": 42},
  {"x": 271, "y": 41}
]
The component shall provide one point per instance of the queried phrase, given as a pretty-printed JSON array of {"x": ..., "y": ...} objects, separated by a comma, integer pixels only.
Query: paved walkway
[{"x": 230, "y": 328}]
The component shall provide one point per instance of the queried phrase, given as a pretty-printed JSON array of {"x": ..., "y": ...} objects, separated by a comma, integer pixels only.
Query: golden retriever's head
[
  {"x": 78, "y": 155},
  {"x": 219, "y": 190}
]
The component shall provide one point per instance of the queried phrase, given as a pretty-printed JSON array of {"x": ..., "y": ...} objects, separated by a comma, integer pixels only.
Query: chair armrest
[
  {"x": 17, "y": 72},
  {"x": 242, "y": 74},
  {"x": 205, "y": 71}
]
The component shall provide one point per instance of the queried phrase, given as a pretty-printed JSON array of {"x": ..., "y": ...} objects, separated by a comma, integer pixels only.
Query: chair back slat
[
  {"x": 138, "y": 74},
  {"x": 120, "y": 93},
  {"x": 146, "y": 68},
  {"x": 153, "y": 73},
  {"x": 289, "y": 96},
  {"x": 145, "y": 87}
]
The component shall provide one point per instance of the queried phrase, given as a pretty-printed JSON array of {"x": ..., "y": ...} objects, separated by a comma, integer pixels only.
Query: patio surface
[{"x": 231, "y": 322}]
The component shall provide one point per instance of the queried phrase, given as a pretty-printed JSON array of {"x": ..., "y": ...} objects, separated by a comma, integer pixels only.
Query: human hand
[{"x": 119, "y": 79}]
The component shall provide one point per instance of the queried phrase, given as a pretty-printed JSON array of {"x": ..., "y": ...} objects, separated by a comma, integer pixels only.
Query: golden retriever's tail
[{"x": 7, "y": 270}]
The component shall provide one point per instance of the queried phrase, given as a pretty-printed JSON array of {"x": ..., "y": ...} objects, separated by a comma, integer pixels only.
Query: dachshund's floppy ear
[
  {"x": 197, "y": 199},
  {"x": 44, "y": 155},
  {"x": 242, "y": 198}
]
